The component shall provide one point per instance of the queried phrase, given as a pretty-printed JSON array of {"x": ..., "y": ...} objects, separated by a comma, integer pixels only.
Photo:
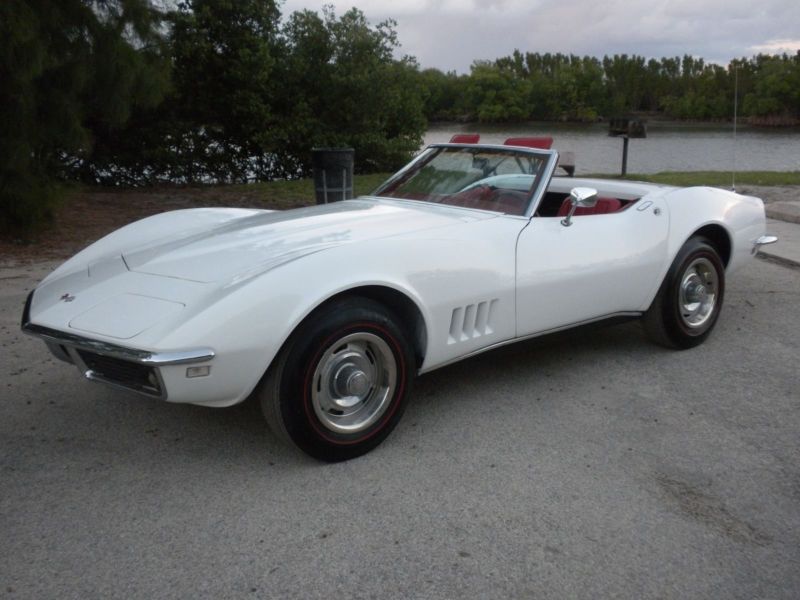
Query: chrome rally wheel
[
  {"x": 698, "y": 293},
  {"x": 341, "y": 382},
  {"x": 689, "y": 300},
  {"x": 353, "y": 382}
]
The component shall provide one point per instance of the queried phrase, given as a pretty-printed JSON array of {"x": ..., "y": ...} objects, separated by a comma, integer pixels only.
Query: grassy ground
[
  {"x": 716, "y": 178},
  {"x": 286, "y": 194},
  {"x": 89, "y": 213},
  {"x": 301, "y": 191}
]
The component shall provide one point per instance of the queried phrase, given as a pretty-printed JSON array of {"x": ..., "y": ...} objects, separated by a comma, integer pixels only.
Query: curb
[
  {"x": 778, "y": 260},
  {"x": 783, "y": 211}
]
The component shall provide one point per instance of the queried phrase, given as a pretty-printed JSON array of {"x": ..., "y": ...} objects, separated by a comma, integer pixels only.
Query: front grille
[{"x": 131, "y": 375}]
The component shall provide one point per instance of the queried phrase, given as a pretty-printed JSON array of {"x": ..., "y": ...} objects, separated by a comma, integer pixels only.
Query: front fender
[
  {"x": 741, "y": 217},
  {"x": 250, "y": 322},
  {"x": 248, "y": 326}
]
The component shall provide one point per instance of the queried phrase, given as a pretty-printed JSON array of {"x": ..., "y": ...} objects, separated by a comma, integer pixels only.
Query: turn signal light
[{"x": 203, "y": 371}]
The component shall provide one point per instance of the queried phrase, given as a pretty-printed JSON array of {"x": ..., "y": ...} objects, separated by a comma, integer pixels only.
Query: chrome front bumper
[{"x": 122, "y": 367}]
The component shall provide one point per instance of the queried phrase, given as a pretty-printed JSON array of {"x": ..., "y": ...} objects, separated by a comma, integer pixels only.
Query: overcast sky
[{"x": 450, "y": 34}]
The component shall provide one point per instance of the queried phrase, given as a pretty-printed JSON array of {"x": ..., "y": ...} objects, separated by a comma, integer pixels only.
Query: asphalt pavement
[{"x": 589, "y": 464}]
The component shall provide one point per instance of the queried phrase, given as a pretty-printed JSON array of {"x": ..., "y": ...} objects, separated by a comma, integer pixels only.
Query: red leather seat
[
  {"x": 543, "y": 143},
  {"x": 603, "y": 206},
  {"x": 473, "y": 198},
  {"x": 510, "y": 202},
  {"x": 465, "y": 138}
]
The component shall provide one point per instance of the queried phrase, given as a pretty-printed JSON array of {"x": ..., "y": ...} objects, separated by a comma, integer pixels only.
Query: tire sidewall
[
  {"x": 683, "y": 335},
  {"x": 309, "y": 345}
]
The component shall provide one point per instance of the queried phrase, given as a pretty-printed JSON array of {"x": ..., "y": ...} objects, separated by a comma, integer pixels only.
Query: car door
[{"x": 598, "y": 266}]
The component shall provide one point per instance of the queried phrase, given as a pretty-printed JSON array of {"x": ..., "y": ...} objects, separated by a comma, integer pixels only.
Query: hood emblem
[{"x": 67, "y": 298}]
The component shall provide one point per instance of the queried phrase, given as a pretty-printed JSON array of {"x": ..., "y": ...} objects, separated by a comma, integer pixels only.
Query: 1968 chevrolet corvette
[{"x": 328, "y": 313}]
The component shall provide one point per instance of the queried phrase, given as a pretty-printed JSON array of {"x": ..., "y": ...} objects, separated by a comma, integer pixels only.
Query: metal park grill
[
  {"x": 627, "y": 128},
  {"x": 333, "y": 173}
]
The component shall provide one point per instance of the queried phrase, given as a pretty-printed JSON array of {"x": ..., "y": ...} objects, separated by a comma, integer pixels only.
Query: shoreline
[{"x": 761, "y": 124}]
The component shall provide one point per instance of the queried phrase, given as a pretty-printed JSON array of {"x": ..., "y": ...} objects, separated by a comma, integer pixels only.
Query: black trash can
[{"x": 333, "y": 173}]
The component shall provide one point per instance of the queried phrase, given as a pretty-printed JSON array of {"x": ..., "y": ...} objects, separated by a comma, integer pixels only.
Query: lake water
[{"x": 667, "y": 147}]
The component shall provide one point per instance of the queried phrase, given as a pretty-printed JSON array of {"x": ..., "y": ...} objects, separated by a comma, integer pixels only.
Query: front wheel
[
  {"x": 340, "y": 385},
  {"x": 688, "y": 303}
]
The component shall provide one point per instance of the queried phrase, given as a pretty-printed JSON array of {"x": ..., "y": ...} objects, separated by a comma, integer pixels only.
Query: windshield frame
[{"x": 541, "y": 179}]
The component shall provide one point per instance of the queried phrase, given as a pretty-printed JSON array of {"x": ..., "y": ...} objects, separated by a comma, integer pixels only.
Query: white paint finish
[
  {"x": 89, "y": 292},
  {"x": 247, "y": 278},
  {"x": 742, "y": 217},
  {"x": 261, "y": 241},
  {"x": 624, "y": 190},
  {"x": 599, "y": 265},
  {"x": 178, "y": 224},
  {"x": 125, "y": 315},
  {"x": 439, "y": 270},
  {"x": 467, "y": 260}
]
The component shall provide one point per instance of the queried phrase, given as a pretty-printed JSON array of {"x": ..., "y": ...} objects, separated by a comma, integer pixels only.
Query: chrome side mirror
[{"x": 579, "y": 196}]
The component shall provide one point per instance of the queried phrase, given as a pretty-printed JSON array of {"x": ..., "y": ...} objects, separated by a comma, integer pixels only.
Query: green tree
[
  {"x": 442, "y": 94},
  {"x": 776, "y": 87},
  {"x": 625, "y": 82},
  {"x": 70, "y": 70},
  {"x": 342, "y": 86},
  {"x": 576, "y": 85},
  {"x": 224, "y": 55},
  {"x": 218, "y": 121},
  {"x": 251, "y": 97},
  {"x": 496, "y": 94}
]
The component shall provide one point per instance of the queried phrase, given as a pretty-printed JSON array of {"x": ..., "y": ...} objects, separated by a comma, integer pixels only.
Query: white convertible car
[{"x": 328, "y": 313}]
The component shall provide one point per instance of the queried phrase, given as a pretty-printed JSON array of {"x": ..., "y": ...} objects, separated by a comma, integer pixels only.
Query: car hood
[{"x": 261, "y": 240}]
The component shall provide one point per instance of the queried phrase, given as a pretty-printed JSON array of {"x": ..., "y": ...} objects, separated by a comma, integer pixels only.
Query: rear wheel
[
  {"x": 688, "y": 303},
  {"x": 340, "y": 384}
]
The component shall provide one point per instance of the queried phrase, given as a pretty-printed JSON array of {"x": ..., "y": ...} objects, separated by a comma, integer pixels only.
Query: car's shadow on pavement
[
  {"x": 83, "y": 418},
  {"x": 561, "y": 354}
]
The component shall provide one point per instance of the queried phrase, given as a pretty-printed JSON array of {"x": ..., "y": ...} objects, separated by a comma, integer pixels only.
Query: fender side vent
[{"x": 471, "y": 321}]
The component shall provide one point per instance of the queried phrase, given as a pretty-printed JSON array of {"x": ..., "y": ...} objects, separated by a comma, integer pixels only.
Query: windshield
[{"x": 495, "y": 179}]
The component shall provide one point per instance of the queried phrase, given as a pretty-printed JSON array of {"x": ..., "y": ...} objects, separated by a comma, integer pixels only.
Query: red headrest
[
  {"x": 530, "y": 142},
  {"x": 465, "y": 138}
]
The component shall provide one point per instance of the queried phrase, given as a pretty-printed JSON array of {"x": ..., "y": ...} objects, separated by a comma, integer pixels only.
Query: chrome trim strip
[
  {"x": 542, "y": 179},
  {"x": 543, "y": 184},
  {"x": 144, "y": 357},
  {"x": 631, "y": 314}
]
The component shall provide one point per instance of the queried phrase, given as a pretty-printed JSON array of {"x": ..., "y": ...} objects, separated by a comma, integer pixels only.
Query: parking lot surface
[{"x": 589, "y": 464}]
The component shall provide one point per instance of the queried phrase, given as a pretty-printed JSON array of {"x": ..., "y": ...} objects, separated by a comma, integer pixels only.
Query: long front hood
[
  {"x": 260, "y": 240},
  {"x": 142, "y": 281}
]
